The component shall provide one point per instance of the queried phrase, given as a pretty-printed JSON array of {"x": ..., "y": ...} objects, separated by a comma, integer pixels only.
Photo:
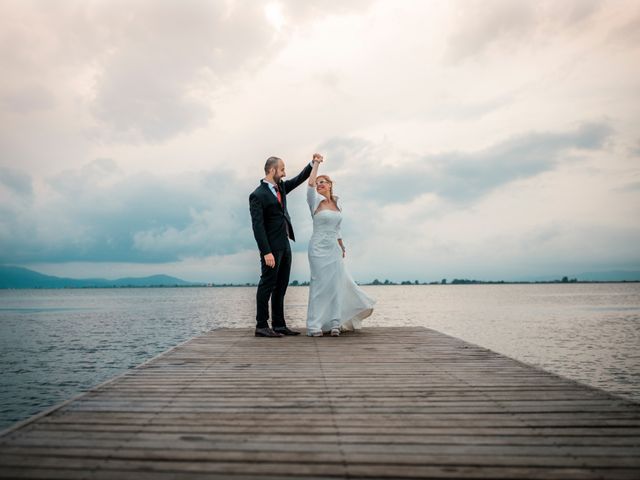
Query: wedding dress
[{"x": 335, "y": 300}]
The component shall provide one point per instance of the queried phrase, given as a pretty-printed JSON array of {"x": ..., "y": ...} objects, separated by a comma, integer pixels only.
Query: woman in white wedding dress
[{"x": 335, "y": 301}]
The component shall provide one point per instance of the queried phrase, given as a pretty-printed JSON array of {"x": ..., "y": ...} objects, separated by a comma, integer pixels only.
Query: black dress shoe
[
  {"x": 285, "y": 331},
  {"x": 267, "y": 332}
]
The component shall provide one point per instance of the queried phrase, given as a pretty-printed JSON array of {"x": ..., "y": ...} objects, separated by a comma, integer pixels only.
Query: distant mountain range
[{"x": 18, "y": 277}]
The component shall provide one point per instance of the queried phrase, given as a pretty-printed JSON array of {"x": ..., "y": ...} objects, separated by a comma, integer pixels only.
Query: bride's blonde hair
[{"x": 334, "y": 199}]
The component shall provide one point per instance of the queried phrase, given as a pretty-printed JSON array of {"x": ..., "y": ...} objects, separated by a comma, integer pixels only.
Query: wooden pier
[{"x": 379, "y": 403}]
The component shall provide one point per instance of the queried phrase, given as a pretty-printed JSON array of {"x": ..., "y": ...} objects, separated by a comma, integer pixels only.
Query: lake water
[{"x": 55, "y": 344}]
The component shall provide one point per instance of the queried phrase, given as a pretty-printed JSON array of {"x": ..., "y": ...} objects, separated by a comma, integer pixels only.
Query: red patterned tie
[{"x": 278, "y": 194}]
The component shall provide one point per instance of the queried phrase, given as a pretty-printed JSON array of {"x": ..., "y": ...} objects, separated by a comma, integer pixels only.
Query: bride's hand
[{"x": 318, "y": 158}]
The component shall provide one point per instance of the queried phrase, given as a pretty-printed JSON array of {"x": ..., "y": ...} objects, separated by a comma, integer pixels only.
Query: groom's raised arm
[
  {"x": 298, "y": 179},
  {"x": 257, "y": 222}
]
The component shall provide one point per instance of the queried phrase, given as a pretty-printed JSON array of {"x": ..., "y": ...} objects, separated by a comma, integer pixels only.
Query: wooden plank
[
  {"x": 18, "y": 456},
  {"x": 379, "y": 403}
]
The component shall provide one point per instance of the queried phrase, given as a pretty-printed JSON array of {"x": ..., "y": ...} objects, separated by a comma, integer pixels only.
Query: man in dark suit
[{"x": 272, "y": 229}]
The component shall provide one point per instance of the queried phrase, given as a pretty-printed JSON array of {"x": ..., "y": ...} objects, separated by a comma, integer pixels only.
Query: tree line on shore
[{"x": 12, "y": 277}]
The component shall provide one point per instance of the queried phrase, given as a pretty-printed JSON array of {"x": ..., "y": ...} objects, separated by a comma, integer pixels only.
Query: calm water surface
[{"x": 57, "y": 343}]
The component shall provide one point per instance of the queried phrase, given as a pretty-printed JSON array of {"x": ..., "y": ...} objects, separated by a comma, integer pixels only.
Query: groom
[{"x": 272, "y": 230}]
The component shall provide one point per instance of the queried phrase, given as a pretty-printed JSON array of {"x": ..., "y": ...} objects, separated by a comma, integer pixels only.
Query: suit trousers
[{"x": 273, "y": 284}]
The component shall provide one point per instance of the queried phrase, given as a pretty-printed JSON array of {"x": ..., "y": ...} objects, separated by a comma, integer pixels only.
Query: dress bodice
[{"x": 325, "y": 222}]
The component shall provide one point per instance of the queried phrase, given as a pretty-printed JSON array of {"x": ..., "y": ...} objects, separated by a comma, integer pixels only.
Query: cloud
[
  {"x": 16, "y": 181},
  {"x": 303, "y": 11},
  {"x": 482, "y": 25},
  {"x": 135, "y": 100},
  {"x": 147, "y": 70},
  {"x": 96, "y": 213},
  {"x": 342, "y": 150},
  {"x": 204, "y": 234},
  {"x": 630, "y": 187},
  {"x": 84, "y": 178},
  {"x": 627, "y": 34},
  {"x": 459, "y": 176},
  {"x": 28, "y": 99}
]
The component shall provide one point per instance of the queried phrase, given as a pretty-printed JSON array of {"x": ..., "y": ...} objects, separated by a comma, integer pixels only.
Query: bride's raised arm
[
  {"x": 313, "y": 198},
  {"x": 317, "y": 158}
]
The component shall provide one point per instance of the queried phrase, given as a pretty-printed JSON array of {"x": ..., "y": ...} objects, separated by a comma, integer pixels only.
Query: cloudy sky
[{"x": 492, "y": 139}]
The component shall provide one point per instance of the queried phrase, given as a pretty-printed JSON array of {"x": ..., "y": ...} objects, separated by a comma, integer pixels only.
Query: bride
[{"x": 335, "y": 301}]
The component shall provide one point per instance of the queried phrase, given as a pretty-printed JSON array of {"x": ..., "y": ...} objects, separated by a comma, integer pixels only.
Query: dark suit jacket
[{"x": 271, "y": 222}]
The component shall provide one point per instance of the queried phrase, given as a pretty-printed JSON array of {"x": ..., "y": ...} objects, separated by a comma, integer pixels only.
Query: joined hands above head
[{"x": 317, "y": 160}]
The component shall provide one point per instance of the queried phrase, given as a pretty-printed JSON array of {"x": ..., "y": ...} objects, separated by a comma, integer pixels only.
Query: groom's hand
[
  {"x": 270, "y": 260},
  {"x": 317, "y": 158}
]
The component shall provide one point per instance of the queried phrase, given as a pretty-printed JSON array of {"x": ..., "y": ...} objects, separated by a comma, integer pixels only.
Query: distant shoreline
[
  {"x": 20, "y": 278},
  {"x": 306, "y": 284}
]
